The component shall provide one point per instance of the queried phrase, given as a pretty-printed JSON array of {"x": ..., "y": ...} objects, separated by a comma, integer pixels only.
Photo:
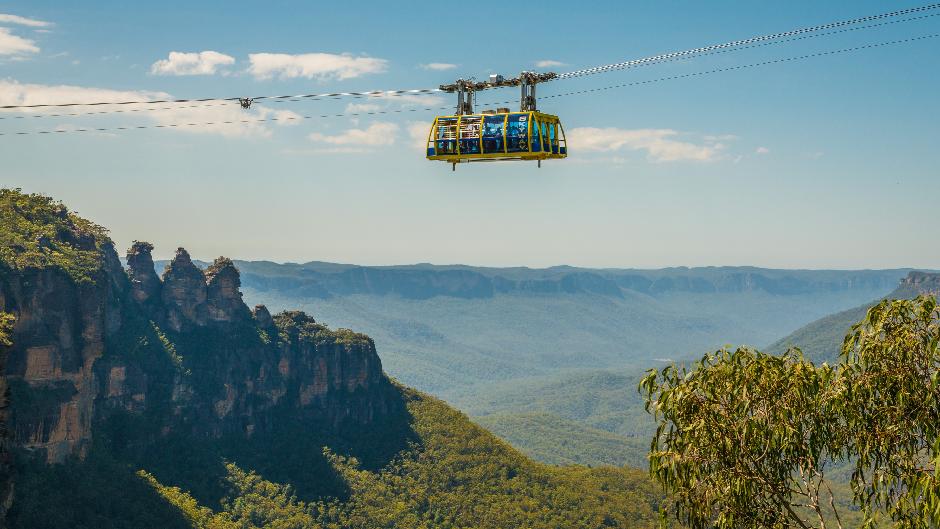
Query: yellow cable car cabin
[{"x": 496, "y": 135}]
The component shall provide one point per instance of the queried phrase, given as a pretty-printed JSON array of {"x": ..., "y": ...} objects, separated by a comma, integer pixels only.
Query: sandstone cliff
[
  {"x": 183, "y": 353},
  {"x": 6, "y": 484},
  {"x": 917, "y": 283},
  {"x": 75, "y": 357}
]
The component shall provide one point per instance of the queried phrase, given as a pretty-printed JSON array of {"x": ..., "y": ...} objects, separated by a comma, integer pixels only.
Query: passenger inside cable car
[
  {"x": 517, "y": 133},
  {"x": 470, "y": 134},
  {"x": 493, "y": 134},
  {"x": 446, "y": 135}
]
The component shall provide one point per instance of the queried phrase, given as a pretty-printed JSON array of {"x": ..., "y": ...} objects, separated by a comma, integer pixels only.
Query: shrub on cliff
[
  {"x": 6, "y": 328},
  {"x": 38, "y": 232},
  {"x": 296, "y": 325}
]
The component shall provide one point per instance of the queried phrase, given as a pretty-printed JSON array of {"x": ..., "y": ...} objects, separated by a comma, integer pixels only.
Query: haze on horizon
[{"x": 788, "y": 166}]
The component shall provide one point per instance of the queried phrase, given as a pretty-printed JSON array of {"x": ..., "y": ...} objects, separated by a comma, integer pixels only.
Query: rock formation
[
  {"x": 263, "y": 317},
  {"x": 184, "y": 293},
  {"x": 145, "y": 284},
  {"x": 186, "y": 351},
  {"x": 60, "y": 330},
  {"x": 224, "y": 299}
]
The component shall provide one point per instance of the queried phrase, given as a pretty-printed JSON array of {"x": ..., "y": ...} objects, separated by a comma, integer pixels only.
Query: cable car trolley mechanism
[{"x": 496, "y": 134}]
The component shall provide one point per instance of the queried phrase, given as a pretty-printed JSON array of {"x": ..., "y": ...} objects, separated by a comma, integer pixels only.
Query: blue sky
[{"x": 830, "y": 162}]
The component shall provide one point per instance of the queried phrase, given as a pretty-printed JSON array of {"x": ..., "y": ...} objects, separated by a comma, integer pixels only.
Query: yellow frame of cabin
[{"x": 533, "y": 117}]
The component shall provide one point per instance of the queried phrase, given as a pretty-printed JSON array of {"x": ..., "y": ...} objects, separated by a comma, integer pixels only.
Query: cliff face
[
  {"x": 146, "y": 287},
  {"x": 242, "y": 364},
  {"x": 184, "y": 293},
  {"x": 183, "y": 354},
  {"x": 917, "y": 283},
  {"x": 59, "y": 334},
  {"x": 213, "y": 365},
  {"x": 6, "y": 484}
]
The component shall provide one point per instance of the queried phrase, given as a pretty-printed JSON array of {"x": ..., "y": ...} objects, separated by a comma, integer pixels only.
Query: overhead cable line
[
  {"x": 568, "y": 75},
  {"x": 375, "y": 93},
  {"x": 223, "y": 122},
  {"x": 321, "y": 97},
  {"x": 678, "y": 56},
  {"x": 665, "y": 56},
  {"x": 745, "y": 66},
  {"x": 116, "y": 111},
  {"x": 221, "y": 103},
  {"x": 565, "y": 94}
]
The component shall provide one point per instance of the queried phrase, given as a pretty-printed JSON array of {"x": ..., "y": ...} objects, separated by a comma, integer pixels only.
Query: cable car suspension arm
[{"x": 465, "y": 88}]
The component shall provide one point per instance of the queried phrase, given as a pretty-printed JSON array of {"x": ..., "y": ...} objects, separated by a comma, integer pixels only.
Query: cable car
[{"x": 496, "y": 135}]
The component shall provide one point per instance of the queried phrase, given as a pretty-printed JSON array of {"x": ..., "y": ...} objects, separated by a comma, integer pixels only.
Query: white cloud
[
  {"x": 225, "y": 120},
  {"x": 719, "y": 137},
  {"x": 197, "y": 63},
  {"x": 547, "y": 63},
  {"x": 15, "y": 93},
  {"x": 423, "y": 100},
  {"x": 660, "y": 145},
  {"x": 313, "y": 65},
  {"x": 361, "y": 108},
  {"x": 11, "y": 44},
  {"x": 230, "y": 121},
  {"x": 23, "y": 21},
  {"x": 378, "y": 134},
  {"x": 15, "y": 45},
  {"x": 418, "y": 134},
  {"x": 762, "y": 150},
  {"x": 285, "y": 118},
  {"x": 439, "y": 66}
]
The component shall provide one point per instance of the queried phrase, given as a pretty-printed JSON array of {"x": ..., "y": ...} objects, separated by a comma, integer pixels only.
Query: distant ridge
[
  {"x": 821, "y": 340},
  {"x": 440, "y": 328},
  {"x": 316, "y": 279}
]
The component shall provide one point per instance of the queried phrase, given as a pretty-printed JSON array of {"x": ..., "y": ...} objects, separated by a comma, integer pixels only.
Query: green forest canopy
[{"x": 455, "y": 475}]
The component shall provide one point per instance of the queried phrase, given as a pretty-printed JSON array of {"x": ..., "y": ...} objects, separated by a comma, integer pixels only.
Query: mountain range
[
  {"x": 529, "y": 351},
  {"x": 572, "y": 343},
  {"x": 133, "y": 399}
]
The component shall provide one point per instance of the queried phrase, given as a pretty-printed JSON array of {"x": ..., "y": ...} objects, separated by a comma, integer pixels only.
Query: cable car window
[
  {"x": 536, "y": 144},
  {"x": 446, "y": 136},
  {"x": 546, "y": 145},
  {"x": 553, "y": 137},
  {"x": 493, "y": 133},
  {"x": 470, "y": 135},
  {"x": 517, "y": 130}
]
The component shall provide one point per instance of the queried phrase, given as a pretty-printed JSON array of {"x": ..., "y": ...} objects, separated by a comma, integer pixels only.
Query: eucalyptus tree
[
  {"x": 891, "y": 408},
  {"x": 744, "y": 438}
]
